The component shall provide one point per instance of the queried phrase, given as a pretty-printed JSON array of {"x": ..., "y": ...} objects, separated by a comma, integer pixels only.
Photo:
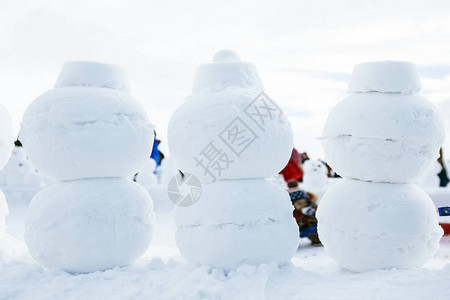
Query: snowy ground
[{"x": 163, "y": 274}]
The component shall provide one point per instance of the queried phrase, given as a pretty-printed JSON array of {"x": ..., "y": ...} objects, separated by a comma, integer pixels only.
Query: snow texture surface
[
  {"x": 238, "y": 222},
  {"x": 74, "y": 132},
  {"x": 219, "y": 118},
  {"x": 385, "y": 77},
  {"x": 367, "y": 226},
  {"x": 162, "y": 274},
  {"x": 89, "y": 225},
  {"x": 383, "y": 137}
]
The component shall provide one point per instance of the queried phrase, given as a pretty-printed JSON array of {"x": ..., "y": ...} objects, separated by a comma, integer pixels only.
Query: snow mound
[
  {"x": 238, "y": 222},
  {"x": 93, "y": 74},
  {"x": 385, "y": 77},
  {"x": 6, "y": 136},
  {"x": 383, "y": 137},
  {"x": 391, "y": 225},
  {"x": 226, "y": 72},
  {"x": 212, "y": 137},
  {"x": 89, "y": 225},
  {"x": 81, "y": 132}
]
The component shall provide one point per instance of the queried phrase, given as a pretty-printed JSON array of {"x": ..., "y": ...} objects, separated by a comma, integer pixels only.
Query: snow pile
[
  {"x": 20, "y": 182},
  {"x": 81, "y": 131},
  {"x": 231, "y": 136},
  {"x": 89, "y": 135},
  {"x": 162, "y": 274},
  {"x": 389, "y": 138}
]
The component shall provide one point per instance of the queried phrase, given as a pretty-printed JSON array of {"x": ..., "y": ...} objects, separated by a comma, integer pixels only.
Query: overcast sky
[{"x": 304, "y": 50}]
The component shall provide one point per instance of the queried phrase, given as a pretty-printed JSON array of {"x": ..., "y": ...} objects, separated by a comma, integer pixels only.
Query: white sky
[{"x": 304, "y": 50}]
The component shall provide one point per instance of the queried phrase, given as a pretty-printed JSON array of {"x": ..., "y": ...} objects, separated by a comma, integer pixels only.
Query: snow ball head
[
  {"x": 215, "y": 126},
  {"x": 238, "y": 222},
  {"x": 366, "y": 226},
  {"x": 87, "y": 126},
  {"x": 6, "y": 136},
  {"x": 226, "y": 55},
  {"x": 226, "y": 72},
  {"x": 383, "y": 137},
  {"x": 385, "y": 77},
  {"x": 89, "y": 225}
]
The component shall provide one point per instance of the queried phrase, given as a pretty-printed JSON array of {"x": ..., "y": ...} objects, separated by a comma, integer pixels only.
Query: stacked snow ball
[
  {"x": 87, "y": 128},
  {"x": 237, "y": 222},
  {"x": 384, "y": 126},
  {"x": 219, "y": 118},
  {"x": 89, "y": 224},
  {"x": 386, "y": 136},
  {"x": 366, "y": 225},
  {"x": 89, "y": 134},
  {"x": 231, "y": 137}
]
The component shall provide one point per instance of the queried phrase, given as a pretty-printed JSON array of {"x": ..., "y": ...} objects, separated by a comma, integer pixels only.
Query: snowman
[
  {"x": 381, "y": 139},
  {"x": 231, "y": 137},
  {"x": 315, "y": 177},
  {"x": 6, "y": 145},
  {"x": 89, "y": 135},
  {"x": 20, "y": 182}
]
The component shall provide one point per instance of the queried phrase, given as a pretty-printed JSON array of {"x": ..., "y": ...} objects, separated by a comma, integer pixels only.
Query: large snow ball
[
  {"x": 73, "y": 132},
  {"x": 230, "y": 135},
  {"x": 383, "y": 137},
  {"x": 6, "y": 136},
  {"x": 367, "y": 226},
  {"x": 238, "y": 222},
  {"x": 226, "y": 72},
  {"x": 89, "y": 225}
]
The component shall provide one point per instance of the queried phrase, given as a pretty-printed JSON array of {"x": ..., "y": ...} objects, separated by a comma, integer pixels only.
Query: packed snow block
[
  {"x": 6, "y": 136},
  {"x": 238, "y": 222},
  {"x": 89, "y": 225},
  {"x": 93, "y": 74},
  {"x": 221, "y": 136},
  {"x": 383, "y": 137},
  {"x": 82, "y": 132},
  {"x": 226, "y": 72},
  {"x": 385, "y": 77},
  {"x": 366, "y": 226}
]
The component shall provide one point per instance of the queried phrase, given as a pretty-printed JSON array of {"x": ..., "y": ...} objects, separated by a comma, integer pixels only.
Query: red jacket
[{"x": 292, "y": 170}]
